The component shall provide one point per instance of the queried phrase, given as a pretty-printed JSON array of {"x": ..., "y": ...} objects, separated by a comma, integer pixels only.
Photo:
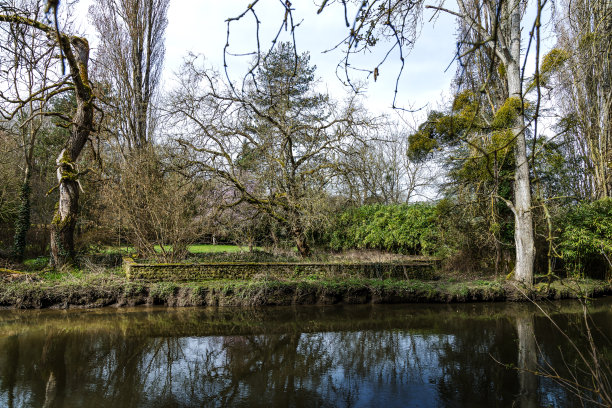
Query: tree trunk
[
  {"x": 64, "y": 221},
  {"x": 22, "y": 223},
  {"x": 523, "y": 219},
  {"x": 300, "y": 242}
]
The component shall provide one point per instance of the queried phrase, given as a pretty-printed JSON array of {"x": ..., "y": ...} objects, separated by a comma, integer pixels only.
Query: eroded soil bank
[{"x": 98, "y": 290}]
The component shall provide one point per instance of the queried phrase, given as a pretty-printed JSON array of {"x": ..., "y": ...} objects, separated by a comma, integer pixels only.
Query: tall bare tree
[
  {"x": 498, "y": 25},
  {"x": 581, "y": 76},
  {"x": 129, "y": 62},
  {"x": 75, "y": 50}
]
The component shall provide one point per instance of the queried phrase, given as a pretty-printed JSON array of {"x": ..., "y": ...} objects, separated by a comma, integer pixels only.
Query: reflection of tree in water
[
  {"x": 41, "y": 363},
  {"x": 63, "y": 368},
  {"x": 557, "y": 356},
  {"x": 53, "y": 368},
  {"x": 271, "y": 370},
  {"x": 468, "y": 372},
  {"x": 356, "y": 357},
  {"x": 9, "y": 361},
  {"x": 527, "y": 362}
]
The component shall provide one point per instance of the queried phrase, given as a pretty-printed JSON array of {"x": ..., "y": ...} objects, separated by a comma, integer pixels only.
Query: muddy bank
[{"x": 101, "y": 291}]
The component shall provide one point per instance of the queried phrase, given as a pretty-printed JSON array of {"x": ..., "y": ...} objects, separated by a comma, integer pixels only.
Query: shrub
[
  {"x": 586, "y": 241},
  {"x": 158, "y": 207},
  {"x": 406, "y": 228}
]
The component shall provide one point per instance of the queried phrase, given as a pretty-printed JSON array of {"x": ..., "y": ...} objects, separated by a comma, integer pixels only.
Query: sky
[{"x": 199, "y": 27}]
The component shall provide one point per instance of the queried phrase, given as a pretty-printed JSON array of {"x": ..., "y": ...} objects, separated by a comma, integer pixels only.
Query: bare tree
[
  {"x": 580, "y": 71},
  {"x": 129, "y": 61},
  {"x": 75, "y": 49},
  {"x": 276, "y": 143},
  {"x": 160, "y": 209},
  {"x": 380, "y": 171},
  {"x": 498, "y": 26}
]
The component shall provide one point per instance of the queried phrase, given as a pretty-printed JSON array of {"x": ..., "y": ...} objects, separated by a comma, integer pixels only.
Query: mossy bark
[
  {"x": 22, "y": 223},
  {"x": 76, "y": 53},
  {"x": 64, "y": 220},
  {"x": 300, "y": 241}
]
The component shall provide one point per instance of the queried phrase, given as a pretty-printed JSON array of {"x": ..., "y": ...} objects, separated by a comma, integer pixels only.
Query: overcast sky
[{"x": 199, "y": 27}]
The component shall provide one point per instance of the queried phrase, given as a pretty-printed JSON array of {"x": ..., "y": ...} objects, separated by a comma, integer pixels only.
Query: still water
[{"x": 344, "y": 356}]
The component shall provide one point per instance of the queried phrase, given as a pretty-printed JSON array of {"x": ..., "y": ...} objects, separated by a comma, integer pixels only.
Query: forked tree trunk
[{"x": 523, "y": 219}]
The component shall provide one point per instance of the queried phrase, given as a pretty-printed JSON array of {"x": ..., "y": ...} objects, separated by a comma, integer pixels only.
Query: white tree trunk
[
  {"x": 527, "y": 362},
  {"x": 523, "y": 227}
]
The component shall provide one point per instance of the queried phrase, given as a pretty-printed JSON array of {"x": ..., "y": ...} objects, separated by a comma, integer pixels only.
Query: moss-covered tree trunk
[
  {"x": 64, "y": 220},
  {"x": 22, "y": 223}
]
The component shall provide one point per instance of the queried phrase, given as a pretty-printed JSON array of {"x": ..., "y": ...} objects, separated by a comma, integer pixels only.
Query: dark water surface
[{"x": 348, "y": 356}]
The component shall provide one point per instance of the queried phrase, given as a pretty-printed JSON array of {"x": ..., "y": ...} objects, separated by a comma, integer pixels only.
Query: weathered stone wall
[{"x": 209, "y": 271}]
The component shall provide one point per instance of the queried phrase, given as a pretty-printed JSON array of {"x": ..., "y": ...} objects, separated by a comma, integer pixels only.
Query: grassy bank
[{"x": 111, "y": 288}]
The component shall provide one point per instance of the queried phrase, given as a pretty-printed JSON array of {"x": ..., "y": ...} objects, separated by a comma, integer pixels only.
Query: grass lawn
[{"x": 206, "y": 249}]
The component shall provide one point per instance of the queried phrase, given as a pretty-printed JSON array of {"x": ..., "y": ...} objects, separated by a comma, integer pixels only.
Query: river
[{"x": 382, "y": 356}]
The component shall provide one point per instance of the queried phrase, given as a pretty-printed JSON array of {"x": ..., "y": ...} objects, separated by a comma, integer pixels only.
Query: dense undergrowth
[{"x": 579, "y": 243}]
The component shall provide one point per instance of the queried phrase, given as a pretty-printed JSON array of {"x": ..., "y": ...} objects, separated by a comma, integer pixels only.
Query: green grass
[
  {"x": 36, "y": 264},
  {"x": 207, "y": 249}
]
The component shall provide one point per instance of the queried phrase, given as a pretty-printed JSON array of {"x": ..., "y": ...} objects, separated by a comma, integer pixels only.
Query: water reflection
[
  {"x": 410, "y": 355},
  {"x": 527, "y": 361}
]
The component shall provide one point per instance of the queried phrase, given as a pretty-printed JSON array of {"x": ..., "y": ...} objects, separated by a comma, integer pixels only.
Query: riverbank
[{"x": 92, "y": 290}]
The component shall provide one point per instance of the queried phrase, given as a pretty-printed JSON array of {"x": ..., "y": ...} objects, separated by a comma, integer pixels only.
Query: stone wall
[{"x": 208, "y": 271}]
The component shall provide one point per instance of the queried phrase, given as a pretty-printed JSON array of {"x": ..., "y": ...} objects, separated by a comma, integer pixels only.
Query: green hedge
[{"x": 405, "y": 228}]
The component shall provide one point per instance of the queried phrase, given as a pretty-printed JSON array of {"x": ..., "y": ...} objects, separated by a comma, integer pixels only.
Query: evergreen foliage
[
  {"x": 586, "y": 241},
  {"x": 405, "y": 228}
]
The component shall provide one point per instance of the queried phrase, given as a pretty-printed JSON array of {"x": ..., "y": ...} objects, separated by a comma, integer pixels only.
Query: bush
[
  {"x": 586, "y": 241},
  {"x": 158, "y": 208},
  {"x": 406, "y": 228}
]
